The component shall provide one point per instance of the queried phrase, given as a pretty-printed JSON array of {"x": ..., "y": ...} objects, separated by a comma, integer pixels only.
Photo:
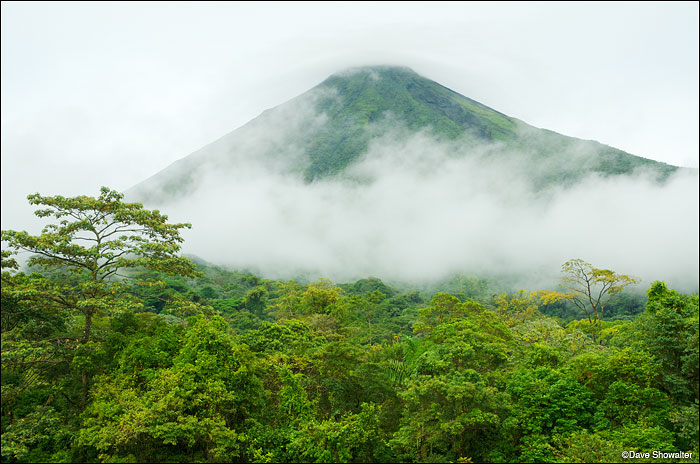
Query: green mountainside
[
  {"x": 323, "y": 131},
  {"x": 369, "y": 95}
]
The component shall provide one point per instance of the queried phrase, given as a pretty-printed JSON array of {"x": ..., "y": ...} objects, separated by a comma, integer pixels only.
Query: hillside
[{"x": 322, "y": 132}]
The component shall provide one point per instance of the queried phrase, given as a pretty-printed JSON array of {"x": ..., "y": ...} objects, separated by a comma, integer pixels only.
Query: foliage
[
  {"x": 227, "y": 366},
  {"x": 50, "y": 317},
  {"x": 589, "y": 288},
  {"x": 94, "y": 239}
]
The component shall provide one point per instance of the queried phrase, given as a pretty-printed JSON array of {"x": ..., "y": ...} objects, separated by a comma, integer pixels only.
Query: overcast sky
[{"x": 110, "y": 93}]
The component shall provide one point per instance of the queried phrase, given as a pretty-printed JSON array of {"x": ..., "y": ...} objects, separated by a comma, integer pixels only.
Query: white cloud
[{"x": 415, "y": 209}]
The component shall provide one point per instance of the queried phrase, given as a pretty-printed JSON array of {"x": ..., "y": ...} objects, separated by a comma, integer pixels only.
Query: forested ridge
[{"x": 115, "y": 348}]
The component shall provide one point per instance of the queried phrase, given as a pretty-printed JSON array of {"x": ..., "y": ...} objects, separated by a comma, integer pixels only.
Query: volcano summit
[{"x": 322, "y": 132}]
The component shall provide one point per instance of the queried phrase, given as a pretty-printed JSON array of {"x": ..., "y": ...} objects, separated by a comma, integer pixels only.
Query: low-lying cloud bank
[{"x": 415, "y": 209}]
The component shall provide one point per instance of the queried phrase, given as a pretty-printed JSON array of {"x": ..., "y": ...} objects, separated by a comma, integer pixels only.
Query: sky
[{"x": 110, "y": 93}]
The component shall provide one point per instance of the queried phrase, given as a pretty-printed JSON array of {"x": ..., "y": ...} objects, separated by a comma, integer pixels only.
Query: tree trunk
[
  {"x": 88, "y": 326},
  {"x": 84, "y": 374}
]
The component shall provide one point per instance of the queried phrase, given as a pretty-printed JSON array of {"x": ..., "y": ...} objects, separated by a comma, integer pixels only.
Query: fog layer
[{"x": 417, "y": 209}]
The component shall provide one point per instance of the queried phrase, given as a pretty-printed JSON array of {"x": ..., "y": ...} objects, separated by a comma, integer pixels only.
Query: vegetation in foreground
[{"x": 117, "y": 349}]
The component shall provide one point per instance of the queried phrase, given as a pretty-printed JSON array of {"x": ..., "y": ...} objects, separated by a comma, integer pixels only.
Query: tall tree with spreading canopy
[
  {"x": 589, "y": 288},
  {"x": 93, "y": 239}
]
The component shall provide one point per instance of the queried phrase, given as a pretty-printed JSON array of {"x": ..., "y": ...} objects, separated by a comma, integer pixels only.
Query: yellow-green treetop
[{"x": 589, "y": 288}]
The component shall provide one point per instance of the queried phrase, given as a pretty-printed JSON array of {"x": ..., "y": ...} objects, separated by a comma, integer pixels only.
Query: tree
[
  {"x": 196, "y": 403},
  {"x": 321, "y": 297},
  {"x": 368, "y": 308},
  {"x": 92, "y": 240},
  {"x": 589, "y": 288},
  {"x": 669, "y": 329}
]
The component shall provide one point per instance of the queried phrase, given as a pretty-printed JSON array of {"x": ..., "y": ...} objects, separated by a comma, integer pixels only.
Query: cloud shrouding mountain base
[{"x": 416, "y": 209}]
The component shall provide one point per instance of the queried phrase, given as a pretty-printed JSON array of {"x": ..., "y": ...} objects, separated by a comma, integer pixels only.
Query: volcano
[
  {"x": 378, "y": 171},
  {"x": 322, "y": 132}
]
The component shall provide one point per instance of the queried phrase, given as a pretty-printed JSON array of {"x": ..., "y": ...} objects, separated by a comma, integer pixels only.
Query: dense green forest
[{"x": 117, "y": 349}]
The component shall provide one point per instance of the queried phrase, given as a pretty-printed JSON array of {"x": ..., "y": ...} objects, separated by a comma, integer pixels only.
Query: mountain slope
[{"x": 325, "y": 130}]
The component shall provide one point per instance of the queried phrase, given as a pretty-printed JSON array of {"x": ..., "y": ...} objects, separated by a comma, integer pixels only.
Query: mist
[{"x": 417, "y": 209}]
